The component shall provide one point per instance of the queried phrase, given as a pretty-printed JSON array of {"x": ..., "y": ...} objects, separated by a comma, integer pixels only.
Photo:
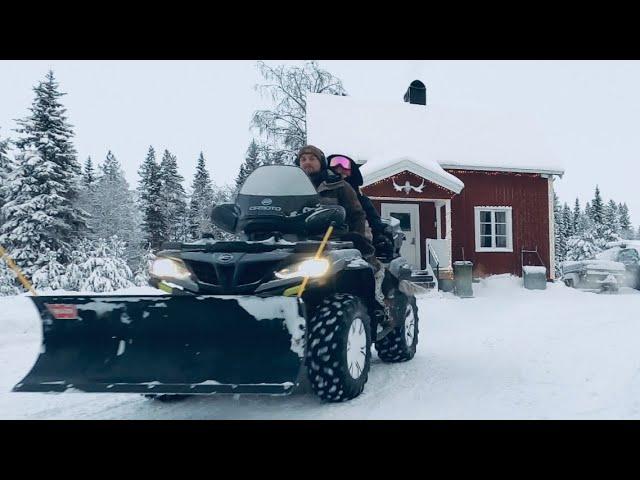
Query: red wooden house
[{"x": 465, "y": 185}]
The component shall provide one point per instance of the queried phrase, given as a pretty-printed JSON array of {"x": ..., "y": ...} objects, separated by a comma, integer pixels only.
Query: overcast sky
[{"x": 589, "y": 111}]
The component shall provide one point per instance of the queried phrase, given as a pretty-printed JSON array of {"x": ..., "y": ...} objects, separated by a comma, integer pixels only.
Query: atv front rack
[{"x": 254, "y": 246}]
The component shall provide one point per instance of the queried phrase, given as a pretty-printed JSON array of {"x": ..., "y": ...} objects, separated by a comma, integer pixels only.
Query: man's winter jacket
[{"x": 335, "y": 191}]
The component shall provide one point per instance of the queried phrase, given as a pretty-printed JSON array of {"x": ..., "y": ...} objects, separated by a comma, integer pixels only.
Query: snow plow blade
[{"x": 168, "y": 344}]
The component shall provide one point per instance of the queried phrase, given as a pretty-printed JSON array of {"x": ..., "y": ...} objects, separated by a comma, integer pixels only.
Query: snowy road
[{"x": 507, "y": 353}]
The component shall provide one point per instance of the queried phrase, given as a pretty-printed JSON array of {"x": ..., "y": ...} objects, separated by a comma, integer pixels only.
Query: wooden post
[{"x": 23, "y": 280}]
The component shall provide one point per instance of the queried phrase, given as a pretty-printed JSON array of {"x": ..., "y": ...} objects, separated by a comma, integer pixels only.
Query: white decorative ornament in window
[{"x": 407, "y": 187}]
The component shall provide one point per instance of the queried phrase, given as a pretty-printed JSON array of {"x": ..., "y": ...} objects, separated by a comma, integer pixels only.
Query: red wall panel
[{"x": 528, "y": 196}]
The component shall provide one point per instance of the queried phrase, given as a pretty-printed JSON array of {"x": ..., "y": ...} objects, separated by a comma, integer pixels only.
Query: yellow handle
[
  {"x": 23, "y": 280},
  {"x": 325, "y": 239}
]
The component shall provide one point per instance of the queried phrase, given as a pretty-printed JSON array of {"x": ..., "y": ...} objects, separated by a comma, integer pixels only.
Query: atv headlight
[
  {"x": 169, "y": 268},
  {"x": 313, "y": 268}
]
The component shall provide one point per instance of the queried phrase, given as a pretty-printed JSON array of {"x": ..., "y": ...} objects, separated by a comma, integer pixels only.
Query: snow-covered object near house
[
  {"x": 534, "y": 277},
  {"x": 254, "y": 316},
  {"x": 613, "y": 248},
  {"x": 593, "y": 274},
  {"x": 534, "y": 269},
  {"x": 628, "y": 254}
]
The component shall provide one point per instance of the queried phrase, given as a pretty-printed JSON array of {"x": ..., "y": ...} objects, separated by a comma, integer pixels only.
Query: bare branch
[{"x": 284, "y": 127}]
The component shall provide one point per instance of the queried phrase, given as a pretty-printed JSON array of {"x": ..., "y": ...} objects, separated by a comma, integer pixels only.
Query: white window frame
[{"x": 508, "y": 216}]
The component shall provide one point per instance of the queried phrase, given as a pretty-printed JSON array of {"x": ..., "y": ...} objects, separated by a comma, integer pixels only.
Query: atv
[{"x": 289, "y": 306}]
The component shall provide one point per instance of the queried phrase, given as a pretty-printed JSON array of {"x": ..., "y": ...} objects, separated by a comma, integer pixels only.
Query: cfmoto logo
[
  {"x": 225, "y": 258},
  {"x": 267, "y": 201}
]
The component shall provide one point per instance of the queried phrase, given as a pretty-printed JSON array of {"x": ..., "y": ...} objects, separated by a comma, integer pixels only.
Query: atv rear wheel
[
  {"x": 400, "y": 344},
  {"x": 339, "y": 348}
]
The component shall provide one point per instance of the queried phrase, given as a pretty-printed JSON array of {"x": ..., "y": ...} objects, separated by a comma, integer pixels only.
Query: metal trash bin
[
  {"x": 462, "y": 274},
  {"x": 534, "y": 278}
]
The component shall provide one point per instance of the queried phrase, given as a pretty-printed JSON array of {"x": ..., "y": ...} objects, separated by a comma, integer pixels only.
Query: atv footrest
[{"x": 421, "y": 278}]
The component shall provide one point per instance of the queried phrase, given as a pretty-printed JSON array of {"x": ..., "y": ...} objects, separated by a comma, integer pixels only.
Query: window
[
  {"x": 493, "y": 229},
  {"x": 405, "y": 220}
]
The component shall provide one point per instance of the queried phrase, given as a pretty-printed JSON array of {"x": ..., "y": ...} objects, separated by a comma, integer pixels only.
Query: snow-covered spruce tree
[
  {"x": 559, "y": 233},
  {"x": 604, "y": 224},
  {"x": 567, "y": 216},
  {"x": 51, "y": 275},
  {"x": 76, "y": 270},
  {"x": 597, "y": 210},
  {"x": 251, "y": 162},
  {"x": 106, "y": 267},
  {"x": 89, "y": 173},
  {"x": 41, "y": 209},
  {"x": 141, "y": 270},
  {"x": 201, "y": 201},
  {"x": 111, "y": 167},
  {"x": 30, "y": 212},
  {"x": 284, "y": 127},
  {"x": 576, "y": 216},
  {"x": 626, "y": 230},
  {"x": 611, "y": 217},
  {"x": 587, "y": 211},
  {"x": 113, "y": 208},
  {"x": 174, "y": 203},
  {"x": 585, "y": 222},
  {"x": 8, "y": 281},
  {"x": 582, "y": 246},
  {"x": 154, "y": 224},
  {"x": 5, "y": 170}
]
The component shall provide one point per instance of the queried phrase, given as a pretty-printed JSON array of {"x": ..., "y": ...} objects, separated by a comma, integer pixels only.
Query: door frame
[{"x": 413, "y": 209}]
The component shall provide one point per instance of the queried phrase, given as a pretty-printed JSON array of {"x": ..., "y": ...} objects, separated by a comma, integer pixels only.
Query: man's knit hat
[{"x": 314, "y": 151}]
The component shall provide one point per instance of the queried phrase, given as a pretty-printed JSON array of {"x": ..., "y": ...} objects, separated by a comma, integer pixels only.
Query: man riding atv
[{"x": 332, "y": 189}]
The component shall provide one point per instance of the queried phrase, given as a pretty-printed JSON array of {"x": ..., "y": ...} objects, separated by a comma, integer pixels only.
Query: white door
[{"x": 408, "y": 214}]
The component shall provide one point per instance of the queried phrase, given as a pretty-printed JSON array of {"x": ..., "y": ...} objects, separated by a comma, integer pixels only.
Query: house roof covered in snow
[{"x": 380, "y": 134}]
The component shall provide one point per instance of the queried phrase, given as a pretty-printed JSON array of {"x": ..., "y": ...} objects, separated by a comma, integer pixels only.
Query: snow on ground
[{"x": 508, "y": 353}]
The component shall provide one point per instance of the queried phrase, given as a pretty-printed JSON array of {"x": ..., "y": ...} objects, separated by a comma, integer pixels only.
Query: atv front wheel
[
  {"x": 339, "y": 348},
  {"x": 400, "y": 344}
]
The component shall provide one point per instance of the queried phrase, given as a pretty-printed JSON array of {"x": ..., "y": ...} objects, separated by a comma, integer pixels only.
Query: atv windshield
[
  {"x": 278, "y": 180},
  {"x": 274, "y": 198}
]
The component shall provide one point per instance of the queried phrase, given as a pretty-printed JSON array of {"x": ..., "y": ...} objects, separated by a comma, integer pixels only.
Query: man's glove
[
  {"x": 384, "y": 245},
  {"x": 388, "y": 230}
]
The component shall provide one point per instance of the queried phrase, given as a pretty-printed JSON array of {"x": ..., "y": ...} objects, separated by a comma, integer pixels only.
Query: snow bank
[
  {"x": 534, "y": 269},
  {"x": 19, "y": 316}
]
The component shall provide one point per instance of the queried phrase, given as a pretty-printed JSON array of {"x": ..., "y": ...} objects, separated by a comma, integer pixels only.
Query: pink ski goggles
[{"x": 341, "y": 161}]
